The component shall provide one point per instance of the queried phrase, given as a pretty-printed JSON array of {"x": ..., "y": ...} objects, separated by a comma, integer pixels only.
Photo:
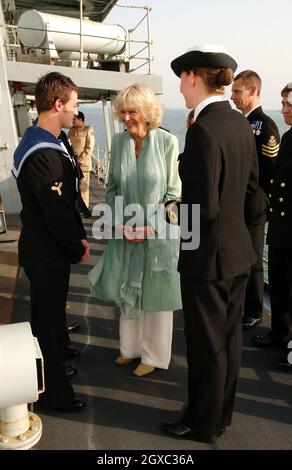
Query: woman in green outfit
[{"x": 138, "y": 270}]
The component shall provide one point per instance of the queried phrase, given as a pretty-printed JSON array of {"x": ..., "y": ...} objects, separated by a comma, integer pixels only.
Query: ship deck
[{"x": 125, "y": 412}]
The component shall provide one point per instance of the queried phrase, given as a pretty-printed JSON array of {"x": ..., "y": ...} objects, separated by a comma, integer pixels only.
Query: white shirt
[
  {"x": 204, "y": 103},
  {"x": 247, "y": 114}
]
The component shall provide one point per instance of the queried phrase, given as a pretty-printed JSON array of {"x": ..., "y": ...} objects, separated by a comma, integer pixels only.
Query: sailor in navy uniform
[
  {"x": 246, "y": 96},
  {"x": 218, "y": 166},
  {"x": 52, "y": 234},
  {"x": 279, "y": 240}
]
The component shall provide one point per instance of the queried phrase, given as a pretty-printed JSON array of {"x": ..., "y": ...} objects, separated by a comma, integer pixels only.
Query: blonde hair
[{"x": 140, "y": 98}]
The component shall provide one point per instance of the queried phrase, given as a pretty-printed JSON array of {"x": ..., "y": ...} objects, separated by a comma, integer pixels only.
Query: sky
[{"x": 258, "y": 34}]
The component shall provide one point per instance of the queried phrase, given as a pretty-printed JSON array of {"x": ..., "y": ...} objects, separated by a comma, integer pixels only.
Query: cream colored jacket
[{"x": 82, "y": 140}]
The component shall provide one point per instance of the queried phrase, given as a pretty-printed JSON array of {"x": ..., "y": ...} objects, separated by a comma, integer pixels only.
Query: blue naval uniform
[
  {"x": 267, "y": 140},
  {"x": 50, "y": 240},
  {"x": 279, "y": 239}
]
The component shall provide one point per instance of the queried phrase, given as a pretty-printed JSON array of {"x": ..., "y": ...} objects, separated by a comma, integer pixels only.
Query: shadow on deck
[{"x": 125, "y": 412}]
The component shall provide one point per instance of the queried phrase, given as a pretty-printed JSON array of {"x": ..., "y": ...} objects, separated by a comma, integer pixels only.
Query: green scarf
[{"x": 163, "y": 252}]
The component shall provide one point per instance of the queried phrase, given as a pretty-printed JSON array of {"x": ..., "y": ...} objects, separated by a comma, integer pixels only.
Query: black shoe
[
  {"x": 180, "y": 431},
  {"x": 75, "y": 406},
  {"x": 72, "y": 353},
  {"x": 284, "y": 365},
  {"x": 70, "y": 372},
  {"x": 250, "y": 322},
  {"x": 221, "y": 431},
  {"x": 265, "y": 342},
  {"x": 177, "y": 429},
  {"x": 72, "y": 326}
]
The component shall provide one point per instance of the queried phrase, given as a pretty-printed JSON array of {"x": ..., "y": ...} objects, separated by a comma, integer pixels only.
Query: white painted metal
[
  {"x": 66, "y": 55},
  {"x": 81, "y": 33},
  {"x": 106, "y": 124},
  {"x": 92, "y": 84},
  {"x": 106, "y": 157},
  {"x": 34, "y": 28},
  {"x": 84, "y": 78},
  {"x": 19, "y": 351},
  {"x": 115, "y": 121},
  {"x": 18, "y": 370},
  {"x": 16, "y": 437},
  {"x": 14, "y": 420},
  {"x": 8, "y": 134},
  {"x": 149, "y": 40}
]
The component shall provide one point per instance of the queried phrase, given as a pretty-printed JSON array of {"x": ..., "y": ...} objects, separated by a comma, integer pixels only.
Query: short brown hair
[
  {"x": 51, "y": 87},
  {"x": 250, "y": 78}
]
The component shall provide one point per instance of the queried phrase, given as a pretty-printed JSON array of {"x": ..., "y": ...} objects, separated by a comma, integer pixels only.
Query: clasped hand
[{"x": 135, "y": 234}]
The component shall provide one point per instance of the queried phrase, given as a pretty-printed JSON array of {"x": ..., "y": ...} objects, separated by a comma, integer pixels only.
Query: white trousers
[{"x": 148, "y": 337}]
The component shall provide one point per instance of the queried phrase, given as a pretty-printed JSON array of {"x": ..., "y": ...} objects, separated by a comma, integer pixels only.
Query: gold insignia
[
  {"x": 272, "y": 148},
  {"x": 272, "y": 141},
  {"x": 57, "y": 187}
]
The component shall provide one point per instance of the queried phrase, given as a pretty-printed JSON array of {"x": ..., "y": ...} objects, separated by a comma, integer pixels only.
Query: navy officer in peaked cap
[
  {"x": 218, "y": 167},
  {"x": 52, "y": 234},
  {"x": 279, "y": 239},
  {"x": 246, "y": 90}
]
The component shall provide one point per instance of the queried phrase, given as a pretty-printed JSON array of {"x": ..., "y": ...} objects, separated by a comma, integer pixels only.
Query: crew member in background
[
  {"x": 79, "y": 203},
  {"x": 82, "y": 140},
  {"x": 191, "y": 118},
  {"x": 279, "y": 240},
  {"x": 246, "y": 97}
]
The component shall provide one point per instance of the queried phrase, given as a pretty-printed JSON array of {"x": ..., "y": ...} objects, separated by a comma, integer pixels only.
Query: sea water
[{"x": 174, "y": 120}]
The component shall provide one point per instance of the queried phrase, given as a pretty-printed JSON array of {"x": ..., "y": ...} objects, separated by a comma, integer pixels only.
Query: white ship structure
[{"x": 70, "y": 37}]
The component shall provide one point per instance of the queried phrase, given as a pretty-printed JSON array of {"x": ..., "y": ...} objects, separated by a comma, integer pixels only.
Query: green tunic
[{"x": 160, "y": 291}]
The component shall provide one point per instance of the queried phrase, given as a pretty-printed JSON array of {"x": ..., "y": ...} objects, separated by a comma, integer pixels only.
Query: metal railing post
[
  {"x": 148, "y": 8},
  {"x": 81, "y": 33}
]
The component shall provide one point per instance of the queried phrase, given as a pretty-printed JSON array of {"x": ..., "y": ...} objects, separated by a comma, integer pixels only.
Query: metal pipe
[
  {"x": 106, "y": 125},
  {"x": 149, "y": 40},
  {"x": 129, "y": 48},
  {"x": 81, "y": 34},
  {"x": 115, "y": 121}
]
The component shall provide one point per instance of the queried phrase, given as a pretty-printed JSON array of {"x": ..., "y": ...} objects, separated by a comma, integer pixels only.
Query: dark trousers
[
  {"x": 280, "y": 283},
  {"x": 254, "y": 294},
  {"x": 212, "y": 313},
  {"x": 48, "y": 293}
]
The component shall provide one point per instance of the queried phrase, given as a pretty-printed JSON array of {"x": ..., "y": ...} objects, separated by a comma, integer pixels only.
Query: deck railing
[
  {"x": 134, "y": 50},
  {"x": 100, "y": 165}
]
